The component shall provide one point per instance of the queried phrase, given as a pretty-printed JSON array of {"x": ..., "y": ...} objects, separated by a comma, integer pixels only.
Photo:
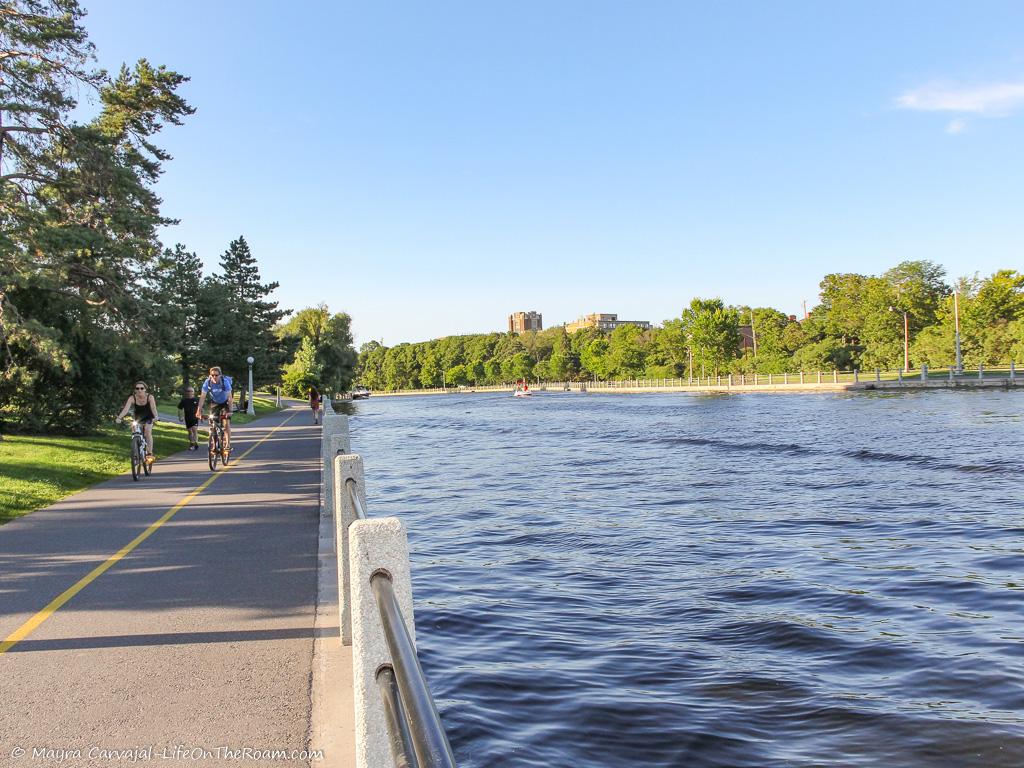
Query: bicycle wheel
[
  {"x": 136, "y": 464},
  {"x": 214, "y": 450}
]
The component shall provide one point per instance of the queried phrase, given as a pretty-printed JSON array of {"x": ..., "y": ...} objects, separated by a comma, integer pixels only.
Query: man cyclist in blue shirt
[{"x": 218, "y": 387}]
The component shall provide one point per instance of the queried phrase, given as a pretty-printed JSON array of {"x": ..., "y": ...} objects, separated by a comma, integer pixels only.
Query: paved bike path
[{"x": 200, "y": 637}]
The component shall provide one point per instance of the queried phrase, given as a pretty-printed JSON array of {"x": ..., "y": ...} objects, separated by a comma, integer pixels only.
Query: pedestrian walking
[
  {"x": 187, "y": 408},
  {"x": 316, "y": 403}
]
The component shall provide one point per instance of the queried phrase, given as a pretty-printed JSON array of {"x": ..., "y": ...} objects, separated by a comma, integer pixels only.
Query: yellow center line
[{"x": 32, "y": 624}]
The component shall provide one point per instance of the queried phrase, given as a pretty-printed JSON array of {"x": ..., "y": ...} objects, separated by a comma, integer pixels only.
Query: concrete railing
[{"x": 396, "y": 721}]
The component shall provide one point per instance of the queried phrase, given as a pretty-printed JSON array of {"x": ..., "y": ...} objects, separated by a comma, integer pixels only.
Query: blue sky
[{"x": 431, "y": 167}]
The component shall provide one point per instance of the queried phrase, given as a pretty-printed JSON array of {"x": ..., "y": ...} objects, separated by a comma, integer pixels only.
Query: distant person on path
[
  {"x": 143, "y": 407},
  {"x": 316, "y": 403},
  {"x": 218, "y": 387},
  {"x": 187, "y": 407}
]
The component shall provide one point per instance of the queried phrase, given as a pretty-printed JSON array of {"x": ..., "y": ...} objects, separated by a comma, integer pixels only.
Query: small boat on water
[
  {"x": 522, "y": 389},
  {"x": 360, "y": 393}
]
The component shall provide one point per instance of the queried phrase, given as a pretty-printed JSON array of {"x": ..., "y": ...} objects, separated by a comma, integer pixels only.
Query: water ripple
[{"x": 744, "y": 581}]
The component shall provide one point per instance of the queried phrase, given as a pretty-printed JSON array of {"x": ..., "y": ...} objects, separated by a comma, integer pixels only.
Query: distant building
[
  {"x": 604, "y": 322},
  {"x": 521, "y": 322}
]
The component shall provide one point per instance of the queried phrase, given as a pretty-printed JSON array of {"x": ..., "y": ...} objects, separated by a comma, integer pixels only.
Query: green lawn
[
  {"x": 262, "y": 405},
  {"x": 41, "y": 469}
]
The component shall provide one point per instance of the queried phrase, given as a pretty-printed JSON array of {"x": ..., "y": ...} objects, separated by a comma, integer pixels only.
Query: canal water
[{"x": 746, "y": 580}]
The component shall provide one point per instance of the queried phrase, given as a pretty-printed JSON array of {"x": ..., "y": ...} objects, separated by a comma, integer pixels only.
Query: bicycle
[
  {"x": 138, "y": 452},
  {"x": 219, "y": 447}
]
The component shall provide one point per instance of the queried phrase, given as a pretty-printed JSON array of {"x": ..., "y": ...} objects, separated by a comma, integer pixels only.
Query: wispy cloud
[
  {"x": 957, "y": 126},
  {"x": 993, "y": 100}
]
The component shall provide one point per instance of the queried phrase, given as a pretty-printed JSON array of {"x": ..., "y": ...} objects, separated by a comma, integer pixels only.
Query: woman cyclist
[{"x": 143, "y": 407}]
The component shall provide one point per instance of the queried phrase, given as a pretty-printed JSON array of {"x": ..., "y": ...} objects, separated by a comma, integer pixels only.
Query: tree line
[
  {"x": 859, "y": 323},
  {"x": 90, "y": 300}
]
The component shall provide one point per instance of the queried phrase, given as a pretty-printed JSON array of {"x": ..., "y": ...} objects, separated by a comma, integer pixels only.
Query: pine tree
[
  {"x": 238, "y": 320},
  {"x": 78, "y": 218},
  {"x": 173, "y": 294}
]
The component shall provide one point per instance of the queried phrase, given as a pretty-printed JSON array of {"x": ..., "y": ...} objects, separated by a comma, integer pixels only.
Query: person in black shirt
[{"x": 189, "y": 404}]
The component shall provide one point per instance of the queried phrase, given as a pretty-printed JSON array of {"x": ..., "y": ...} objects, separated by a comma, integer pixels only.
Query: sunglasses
[{"x": 140, "y": 389}]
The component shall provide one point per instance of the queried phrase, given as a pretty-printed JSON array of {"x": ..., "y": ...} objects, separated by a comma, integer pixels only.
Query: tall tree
[
  {"x": 46, "y": 57},
  {"x": 989, "y": 314},
  {"x": 370, "y": 369},
  {"x": 713, "y": 333},
  {"x": 172, "y": 294},
  {"x": 769, "y": 326},
  {"x": 239, "y": 320},
  {"x": 563, "y": 363},
  {"x": 78, "y": 218},
  {"x": 303, "y": 371},
  {"x": 919, "y": 287},
  {"x": 626, "y": 352},
  {"x": 400, "y": 366},
  {"x": 330, "y": 337}
]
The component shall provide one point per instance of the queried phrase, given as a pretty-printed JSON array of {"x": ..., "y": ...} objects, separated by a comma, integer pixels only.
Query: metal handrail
[
  {"x": 429, "y": 741},
  {"x": 398, "y": 724},
  {"x": 351, "y": 485}
]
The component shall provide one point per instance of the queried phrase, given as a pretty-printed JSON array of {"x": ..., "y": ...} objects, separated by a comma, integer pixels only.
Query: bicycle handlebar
[{"x": 209, "y": 417}]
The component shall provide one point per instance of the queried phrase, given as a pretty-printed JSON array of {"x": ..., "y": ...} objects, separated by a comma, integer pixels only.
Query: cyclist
[
  {"x": 218, "y": 387},
  {"x": 143, "y": 407}
]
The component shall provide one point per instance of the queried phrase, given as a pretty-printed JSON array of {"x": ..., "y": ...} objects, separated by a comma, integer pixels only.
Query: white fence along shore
[{"x": 800, "y": 381}]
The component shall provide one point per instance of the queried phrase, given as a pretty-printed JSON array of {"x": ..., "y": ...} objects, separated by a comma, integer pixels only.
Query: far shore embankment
[{"x": 777, "y": 383}]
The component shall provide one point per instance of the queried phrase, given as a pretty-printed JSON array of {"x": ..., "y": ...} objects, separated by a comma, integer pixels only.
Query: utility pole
[
  {"x": 753, "y": 333},
  {"x": 906, "y": 343},
  {"x": 956, "y": 320},
  {"x": 906, "y": 338}
]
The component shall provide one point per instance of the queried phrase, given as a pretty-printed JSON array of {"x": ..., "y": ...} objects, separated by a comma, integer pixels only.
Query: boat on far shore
[
  {"x": 522, "y": 389},
  {"x": 360, "y": 393}
]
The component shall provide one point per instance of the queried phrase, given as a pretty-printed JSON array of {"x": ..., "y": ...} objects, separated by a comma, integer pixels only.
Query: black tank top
[{"x": 143, "y": 412}]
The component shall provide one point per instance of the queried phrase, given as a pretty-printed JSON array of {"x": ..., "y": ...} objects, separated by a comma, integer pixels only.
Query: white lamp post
[
  {"x": 251, "y": 410},
  {"x": 906, "y": 338}
]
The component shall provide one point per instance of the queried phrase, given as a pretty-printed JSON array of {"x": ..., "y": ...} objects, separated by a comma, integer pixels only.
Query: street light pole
[
  {"x": 906, "y": 344},
  {"x": 906, "y": 338},
  {"x": 251, "y": 410},
  {"x": 956, "y": 321}
]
